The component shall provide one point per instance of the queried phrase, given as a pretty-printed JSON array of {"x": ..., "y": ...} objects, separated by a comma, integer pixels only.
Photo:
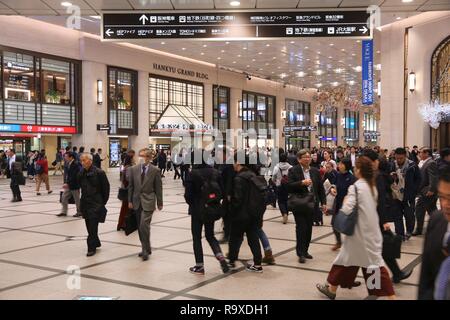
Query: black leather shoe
[
  {"x": 416, "y": 233},
  {"x": 145, "y": 257},
  {"x": 90, "y": 253},
  {"x": 302, "y": 259},
  {"x": 402, "y": 276},
  {"x": 308, "y": 256},
  {"x": 61, "y": 215},
  {"x": 77, "y": 215}
]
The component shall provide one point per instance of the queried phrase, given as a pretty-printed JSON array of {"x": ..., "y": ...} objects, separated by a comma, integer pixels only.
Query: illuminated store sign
[{"x": 36, "y": 129}]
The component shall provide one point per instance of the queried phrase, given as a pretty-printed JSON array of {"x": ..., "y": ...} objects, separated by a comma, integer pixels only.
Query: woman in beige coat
[{"x": 363, "y": 248}]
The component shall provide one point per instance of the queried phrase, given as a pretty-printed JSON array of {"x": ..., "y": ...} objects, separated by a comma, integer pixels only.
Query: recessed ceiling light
[
  {"x": 358, "y": 41},
  {"x": 351, "y": 82},
  {"x": 163, "y": 42},
  {"x": 259, "y": 52},
  {"x": 353, "y": 54},
  {"x": 239, "y": 55},
  {"x": 183, "y": 48},
  {"x": 335, "y": 84},
  {"x": 248, "y": 66},
  {"x": 378, "y": 51},
  {"x": 330, "y": 57},
  {"x": 342, "y": 49},
  {"x": 274, "y": 58},
  {"x": 235, "y": 3},
  {"x": 66, "y": 4},
  {"x": 318, "y": 85},
  {"x": 253, "y": 60},
  {"x": 399, "y": 18},
  {"x": 202, "y": 53},
  {"x": 318, "y": 52},
  {"x": 338, "y": 70},
  {"x": 267, "y": 63},
  {"x": 205, "y": 45},
  {"x": 283, "y": 75},
  {"x": 219, "y": 58},
  {"x": 268, "y": 45},
  {"x": 319, "y": 72},
  {"x": 227, "y": 42},
  {"x": 331, "y": 44},
  {"x": 301, "y": 74},
  {"x": 222, "y": 51},
  {"x": 406, "y": 1},
  {"x": 96, "y": 17},
  {"x": 308, "y": 59},
  {"x": 357, "y": 68},
  {"x": 245, "y": 48},
  {"x": 292, "y": 42},
  {"x": 234, "y": 61},
  {"x": 306, "y": 47}
]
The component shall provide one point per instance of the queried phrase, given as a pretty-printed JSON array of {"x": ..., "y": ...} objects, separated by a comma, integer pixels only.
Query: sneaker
[
  {"x": 325, "y": 289},
  {"x": 224, "y": 266},
  {"x": 285, "y": 218},
  {"x": 197, "y": 270},
  {"x": 253, "y": 268}
]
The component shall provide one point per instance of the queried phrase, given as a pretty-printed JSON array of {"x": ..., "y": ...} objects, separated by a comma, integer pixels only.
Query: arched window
[{"x": 440, "y": 90}]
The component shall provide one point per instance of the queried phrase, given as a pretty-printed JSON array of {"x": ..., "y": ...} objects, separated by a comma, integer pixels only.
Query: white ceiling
[
  {"x": 280, "y": 60},
  {"x": 93, "y": 7}
]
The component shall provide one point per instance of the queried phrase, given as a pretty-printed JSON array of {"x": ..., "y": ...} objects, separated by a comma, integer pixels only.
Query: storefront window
[
  {"x": 258, "y": 112},
  {"x": 37, "y": 89},
  {"x": 297, "y": 114},
  {"x": 327, "y": 128},
  {"x": 56, "y": 81},
  {"x": 168, "y": 91},
  {"x": 122, "y": 100},
  {"x": 370, "y": 128},
  {"x": 221, "y": 108},
  {"x": 351, "y": 127}
]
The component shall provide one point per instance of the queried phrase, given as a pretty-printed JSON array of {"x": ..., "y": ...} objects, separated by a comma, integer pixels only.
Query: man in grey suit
[
  {"x": 144, "y": 193},
  {"x": 427, "y": 196}
]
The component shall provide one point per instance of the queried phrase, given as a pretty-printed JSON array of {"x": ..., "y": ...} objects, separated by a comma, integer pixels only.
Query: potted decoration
[{"x": 52, "y": 96}]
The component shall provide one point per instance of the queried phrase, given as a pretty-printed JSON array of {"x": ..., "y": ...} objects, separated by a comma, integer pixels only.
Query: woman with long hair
[
  {"x": 363, "y": 249},
  {"x": 128, "y": 161}
]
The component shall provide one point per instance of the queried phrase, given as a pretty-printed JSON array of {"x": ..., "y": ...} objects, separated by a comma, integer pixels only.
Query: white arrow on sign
[
  {"x": 144, "y": 19},
  {"x": 364, "y": 29},
  {"x": 109, "y": 32}
]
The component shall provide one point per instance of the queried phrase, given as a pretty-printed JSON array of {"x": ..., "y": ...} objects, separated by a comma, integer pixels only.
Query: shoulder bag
[{"x": 345, "y": 223}]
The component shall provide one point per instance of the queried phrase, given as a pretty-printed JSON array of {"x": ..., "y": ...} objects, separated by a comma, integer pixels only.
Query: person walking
[
  {"x": 71, "y": 185},
  {"x": 94, "y": 196},
  {"x": 280, "y": 178},
  {"x": 169, "y": 161},
  {"x": 59, "y": 161},
  {"x": 363, "y": 249},
  {"x": 306, "y": 192},
  {"x": 14, "y": 171},
  {"x": 97, "y": 161},
  {"x": 427, "y": 191},
  {"x": 406, "y": 180},
  {"x": 162, "y": 162},
  {"x": 437, "y": 239},
  {"x": 41, "y": 168},
  {"x": 144, "y": 194},
  {"x": 127, "y": 163},
  {"x": 242, "y": 220},
  {"x": 343, "y": 182},
  {"x": 31, "y": 156},
  {"x": 204, "y": 192}
]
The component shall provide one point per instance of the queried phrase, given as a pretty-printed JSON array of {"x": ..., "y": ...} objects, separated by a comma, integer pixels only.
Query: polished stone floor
[{"x": 37, "y": 248}]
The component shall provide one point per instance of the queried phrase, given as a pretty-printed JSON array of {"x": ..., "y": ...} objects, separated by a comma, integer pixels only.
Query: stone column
[{"x": 141, "y": 140}]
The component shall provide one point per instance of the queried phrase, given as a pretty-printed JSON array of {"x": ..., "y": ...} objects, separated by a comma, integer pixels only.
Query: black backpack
[
  {"x": 211, "y": 198},
  {"x": 258, "y": 194}
]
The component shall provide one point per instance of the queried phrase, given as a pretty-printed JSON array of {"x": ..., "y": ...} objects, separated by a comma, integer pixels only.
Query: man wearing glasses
[{"x": 437, "y": 239}]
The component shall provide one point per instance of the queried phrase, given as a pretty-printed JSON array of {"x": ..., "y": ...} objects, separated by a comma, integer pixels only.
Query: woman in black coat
[{"x": 344, "y": 180}]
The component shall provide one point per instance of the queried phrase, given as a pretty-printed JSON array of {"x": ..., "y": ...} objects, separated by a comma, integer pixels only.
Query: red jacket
[{"x": 44, "y": 164}]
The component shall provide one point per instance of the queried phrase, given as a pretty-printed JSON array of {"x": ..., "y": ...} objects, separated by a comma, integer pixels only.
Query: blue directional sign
[
  {"x": 10, "y": 127},
  {"x": 367, "y": 72}
]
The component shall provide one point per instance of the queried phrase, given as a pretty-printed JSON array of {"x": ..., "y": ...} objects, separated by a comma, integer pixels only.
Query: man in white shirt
[{"x": 353, "y": 156}]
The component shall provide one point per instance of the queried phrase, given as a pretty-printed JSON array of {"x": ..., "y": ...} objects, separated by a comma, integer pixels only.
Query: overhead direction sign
[{"x": 234, "y": 25}]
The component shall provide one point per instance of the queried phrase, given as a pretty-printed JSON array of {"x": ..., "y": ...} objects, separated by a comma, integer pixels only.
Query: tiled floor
[{"x": 37, "y": 248}]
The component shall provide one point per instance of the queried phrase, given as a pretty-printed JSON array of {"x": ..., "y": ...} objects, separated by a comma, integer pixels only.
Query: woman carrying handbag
[
  {"x": 123, "y": 192},
  {"x": 363, "y": 247}
]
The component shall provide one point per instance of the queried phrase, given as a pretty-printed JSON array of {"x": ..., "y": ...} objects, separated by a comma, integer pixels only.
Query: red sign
[{"x": 47, "y": 129}]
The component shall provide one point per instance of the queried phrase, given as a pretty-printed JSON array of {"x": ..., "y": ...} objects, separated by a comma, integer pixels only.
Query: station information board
[{"x": 234, "y": 25}]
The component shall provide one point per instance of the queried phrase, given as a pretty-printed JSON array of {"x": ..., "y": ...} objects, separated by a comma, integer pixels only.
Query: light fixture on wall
[
  {"x": 99, "y": 91},
  {"x": 379, "y": 89},
  {"x": 412, "y": 81},
  {"x": 283, "y": 114}
]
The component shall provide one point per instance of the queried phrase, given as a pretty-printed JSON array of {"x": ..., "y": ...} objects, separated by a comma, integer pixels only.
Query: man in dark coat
[
  {"x": 14, "y": 171},
  {"x": 427, "y": 191},
  {"x": 436, "y": 240},
  {"x": 304, "y": 181},
  {"x": 94, "y": 196},
  {"x": 71, "y": 185}
]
